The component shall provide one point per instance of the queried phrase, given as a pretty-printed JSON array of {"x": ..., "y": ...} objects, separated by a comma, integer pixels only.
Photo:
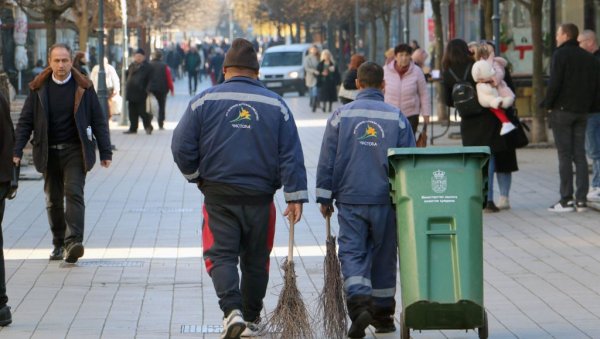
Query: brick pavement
[{"x": 142, "y": 275}]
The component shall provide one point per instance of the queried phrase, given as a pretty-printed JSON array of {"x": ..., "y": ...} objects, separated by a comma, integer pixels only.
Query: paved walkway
[{"x": 142, "y": 275}]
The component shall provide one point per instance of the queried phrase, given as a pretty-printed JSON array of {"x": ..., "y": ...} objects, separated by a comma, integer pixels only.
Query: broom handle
[
  {"x": 291, "y": 241},
  {"x": 328, "y": 225}
]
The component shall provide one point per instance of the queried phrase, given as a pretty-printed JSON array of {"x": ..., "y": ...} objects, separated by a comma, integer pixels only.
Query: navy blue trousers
[{"x": 368, "y": 251}]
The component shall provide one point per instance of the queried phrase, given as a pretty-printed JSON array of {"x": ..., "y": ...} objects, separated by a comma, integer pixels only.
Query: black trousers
[
  {"x": 4, "y": 186},
  {"x": 193, "y": 79},
  {"x": 162, "y": 104},
  {"x": 64, "y": 180},
  {"x": 569, "y": 129},
  {"x": 245, "y": 233},
  {"x": 138, "y": 110}
]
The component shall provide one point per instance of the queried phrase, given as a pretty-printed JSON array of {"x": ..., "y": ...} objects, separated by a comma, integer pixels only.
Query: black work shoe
[
  {"x": 490, "y": 207},
  {"x": 57, "y": 253},
  {"x": 362, "y": 321},
  {"x": 5, "y": 316},
  {"x": 384, "y": 325},
  {"x": 74, "y": 252}
]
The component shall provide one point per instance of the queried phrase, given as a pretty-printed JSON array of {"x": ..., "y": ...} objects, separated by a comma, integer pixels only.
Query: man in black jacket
[
  {"x": 7, "y": 140},
  {"x": 160, "y": 84},
  {"x": 569, "y": 99},
  {"x": 64, "y": 145},
  {"x": 139, "y": 74}
]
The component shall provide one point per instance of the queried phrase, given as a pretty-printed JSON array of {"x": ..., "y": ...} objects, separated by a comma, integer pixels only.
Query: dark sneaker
[
  {"x": 233, "y": 325},
  {"x": 57, "y": 253},
  {"x": 490, "y": 207},
  {"x": 74, "y": 252},
  {"x": 562, "y": 207},
  {"x": 5, "y": 316},
  {"x": 384, "y": 325},
  {"x": 581, "y": 206},
  {"x": 357, "y": 329}
]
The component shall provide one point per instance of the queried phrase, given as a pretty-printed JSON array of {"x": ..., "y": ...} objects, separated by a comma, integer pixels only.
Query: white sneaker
[
  {"x": 503, "y": 203},
  {"x": 233, "y": 325},
  {"x": 560, "y": 207},
  {"x": 507, "y": 127},
  {"x": 253, "y": 329},
  {"x": 594, "y": 194}
]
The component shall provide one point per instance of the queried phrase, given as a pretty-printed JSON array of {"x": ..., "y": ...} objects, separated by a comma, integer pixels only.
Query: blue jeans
[
  {"x": 592, "y": 146},
  {"x": 3, "y": 192},
  {"x": 504, "y": 180},
  {"x": 568, "y": 129}
]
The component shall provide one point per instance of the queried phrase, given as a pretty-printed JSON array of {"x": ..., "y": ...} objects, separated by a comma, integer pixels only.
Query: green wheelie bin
[{"x": 439, "y": 194}]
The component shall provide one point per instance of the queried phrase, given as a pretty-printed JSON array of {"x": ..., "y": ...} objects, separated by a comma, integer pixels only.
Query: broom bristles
[
  {"x": 290, "y": 317},
  {"x": 332, "y": 305}
]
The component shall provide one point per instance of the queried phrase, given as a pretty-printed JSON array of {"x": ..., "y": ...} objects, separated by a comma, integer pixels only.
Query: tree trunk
[
  {"x": 538, "y": 133},
  {"x": 50, "y": 22},
  {"x": 309, "y": 37},
  {"x": 386, "y": 33},
  {"x": 488, "y": 11},
  {"x": 441, "y": 111},
  {"x": 298, "y": 29},
  {"x": 83, "y": 25},
  {"x": 373, "y": 43}
]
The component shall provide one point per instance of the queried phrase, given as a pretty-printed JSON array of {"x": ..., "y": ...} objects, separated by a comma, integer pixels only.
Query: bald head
[{"x": 587, "y": 40}]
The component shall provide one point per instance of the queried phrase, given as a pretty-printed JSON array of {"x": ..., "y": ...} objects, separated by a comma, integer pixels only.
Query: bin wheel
[
  {"x": 483, "y": 330},
  {"x": 404, "y": 330}
]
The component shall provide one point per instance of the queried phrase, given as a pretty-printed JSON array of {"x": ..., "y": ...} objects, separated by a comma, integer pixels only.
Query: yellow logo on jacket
[
  {"x": 243, "y": 116},
  {"x": 370, "y": 132}
]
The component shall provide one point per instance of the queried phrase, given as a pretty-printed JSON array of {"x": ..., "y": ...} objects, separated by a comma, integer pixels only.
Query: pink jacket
[
  {"x": 499, "y": 64},
  {"x": 408, "y": 93}
]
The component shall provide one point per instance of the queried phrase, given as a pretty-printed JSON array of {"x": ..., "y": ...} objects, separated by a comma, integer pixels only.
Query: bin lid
[{"x": 393, "y": 152}]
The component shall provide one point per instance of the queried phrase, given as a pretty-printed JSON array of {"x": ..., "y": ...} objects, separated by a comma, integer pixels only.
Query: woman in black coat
[
  {"x": 478, "y": 128},
  {"x": 327, "y": 80}
]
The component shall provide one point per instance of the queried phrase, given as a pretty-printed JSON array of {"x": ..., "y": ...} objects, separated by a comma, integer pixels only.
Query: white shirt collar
[{"x": 59, "y": 82}]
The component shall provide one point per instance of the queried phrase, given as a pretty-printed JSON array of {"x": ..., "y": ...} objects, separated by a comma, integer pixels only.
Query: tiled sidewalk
[{"x": 142, "y": 275}]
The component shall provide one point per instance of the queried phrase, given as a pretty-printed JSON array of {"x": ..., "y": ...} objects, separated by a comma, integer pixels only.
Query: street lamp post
[
  {"x": 102, "y": 92},
  {"x": 356, "y": 25},
  {"x": 496, "y": 22},
  {"x": 407, "y": 22},
  {"x": 125, "y": 63}
]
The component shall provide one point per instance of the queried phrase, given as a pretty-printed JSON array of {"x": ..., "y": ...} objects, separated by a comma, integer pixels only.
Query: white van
[{"x": 282, "y": 70}]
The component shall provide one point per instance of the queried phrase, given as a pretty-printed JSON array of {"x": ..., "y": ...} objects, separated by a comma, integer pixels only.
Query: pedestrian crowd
[{"x": 383, "y": 106}]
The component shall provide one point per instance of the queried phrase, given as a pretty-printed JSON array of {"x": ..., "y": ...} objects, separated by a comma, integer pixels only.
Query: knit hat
[
  {"x": 140, "y": 51},
  {"x": 241, "y": 54}
]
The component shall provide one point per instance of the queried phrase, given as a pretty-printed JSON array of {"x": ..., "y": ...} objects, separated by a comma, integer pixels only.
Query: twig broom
[
  {"x": 331, "y": 300},
  {"x": 290, "y": 317}
]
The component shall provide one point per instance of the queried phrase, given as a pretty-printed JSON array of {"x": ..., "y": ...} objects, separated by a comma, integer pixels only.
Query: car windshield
[{"x": 282, "y": 59}]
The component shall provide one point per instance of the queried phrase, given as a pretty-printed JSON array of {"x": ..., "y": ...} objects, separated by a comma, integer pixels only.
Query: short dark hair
[
  {"x": 570, "y": 30},
  {"x": 370, "y": 74},
  {"x": 60, "y": 45},
  {"x": 403, "y": 48}
]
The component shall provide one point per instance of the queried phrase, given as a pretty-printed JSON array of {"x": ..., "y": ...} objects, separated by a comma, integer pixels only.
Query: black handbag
[
  {"x": 517, "y": 138},
  {"x": 14, "y": 182}
]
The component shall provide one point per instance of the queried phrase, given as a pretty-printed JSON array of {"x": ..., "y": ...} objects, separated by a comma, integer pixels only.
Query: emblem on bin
[{"x": 439, "y": 183}]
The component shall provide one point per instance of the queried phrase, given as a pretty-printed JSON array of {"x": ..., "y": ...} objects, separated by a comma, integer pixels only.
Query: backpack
[{"x": 464, "y": 95}]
